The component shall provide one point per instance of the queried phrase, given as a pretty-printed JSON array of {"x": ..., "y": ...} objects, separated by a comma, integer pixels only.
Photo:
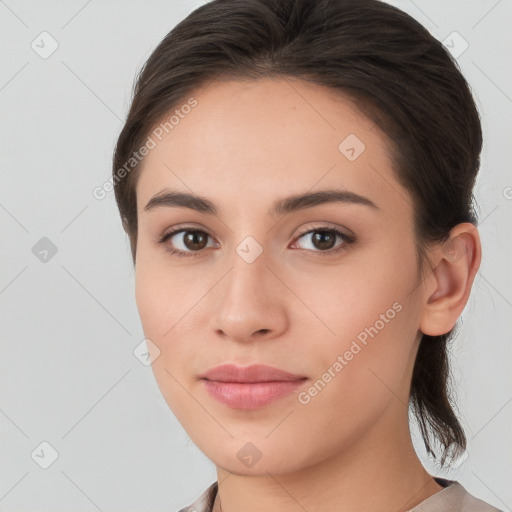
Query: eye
[
  {"x": 323, "y": 240},
  {"x": 185, "y": 242},
  {"x": 191, "y": 242}
]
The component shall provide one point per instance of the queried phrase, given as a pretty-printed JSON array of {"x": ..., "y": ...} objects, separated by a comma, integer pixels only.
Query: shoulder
[
  {"x": 469, "y": 503},
  {"x": 204, "y": 502},
  {"x": 454, "y": 498}
]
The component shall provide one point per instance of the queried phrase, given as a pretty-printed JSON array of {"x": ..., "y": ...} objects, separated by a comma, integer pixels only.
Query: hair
[{"x": 393, "y": 70}]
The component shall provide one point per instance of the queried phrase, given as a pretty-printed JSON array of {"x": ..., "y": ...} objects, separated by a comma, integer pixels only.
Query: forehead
[{"x": 266, "y": 137}]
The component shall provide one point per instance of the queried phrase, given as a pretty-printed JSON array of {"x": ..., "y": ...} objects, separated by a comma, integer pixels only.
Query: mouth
[{"x": 250, "y": 387}]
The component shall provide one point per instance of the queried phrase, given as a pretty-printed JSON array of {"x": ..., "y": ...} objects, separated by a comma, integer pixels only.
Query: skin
[{"x": 245, "y": 145}]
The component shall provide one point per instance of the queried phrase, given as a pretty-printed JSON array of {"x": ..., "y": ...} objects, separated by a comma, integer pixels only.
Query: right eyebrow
[{"x": 173, "y": 198}]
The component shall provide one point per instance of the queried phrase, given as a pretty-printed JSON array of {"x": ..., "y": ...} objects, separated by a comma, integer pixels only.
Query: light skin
[{"x": 296, "y": 307}]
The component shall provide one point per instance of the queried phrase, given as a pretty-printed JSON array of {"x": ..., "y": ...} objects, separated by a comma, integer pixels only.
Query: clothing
[{"x": 453, "y": 498}]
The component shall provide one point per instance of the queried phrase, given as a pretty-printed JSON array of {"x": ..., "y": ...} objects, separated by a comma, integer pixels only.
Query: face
[{"x": 324, "y": 287}]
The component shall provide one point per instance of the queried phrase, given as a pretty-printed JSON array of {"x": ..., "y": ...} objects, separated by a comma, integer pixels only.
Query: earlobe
[{"x": 458, "y": 260}]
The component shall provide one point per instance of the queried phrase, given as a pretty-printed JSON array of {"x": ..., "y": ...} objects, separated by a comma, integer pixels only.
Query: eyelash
[{"x": 347, "y": 240}]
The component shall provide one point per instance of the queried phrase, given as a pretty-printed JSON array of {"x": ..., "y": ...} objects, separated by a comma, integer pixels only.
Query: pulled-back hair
[{"x": 394, "y": 71}]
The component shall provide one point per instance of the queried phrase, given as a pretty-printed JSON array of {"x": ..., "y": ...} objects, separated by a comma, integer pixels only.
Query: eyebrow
[{"x": 172, "y": 199}]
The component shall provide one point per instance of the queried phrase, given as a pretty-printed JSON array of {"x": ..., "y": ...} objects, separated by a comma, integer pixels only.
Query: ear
[{"x": 448, "y": 286}]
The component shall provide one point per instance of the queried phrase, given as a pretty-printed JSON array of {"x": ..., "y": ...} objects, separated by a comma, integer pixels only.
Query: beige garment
[{"x": 453, "y": 498}]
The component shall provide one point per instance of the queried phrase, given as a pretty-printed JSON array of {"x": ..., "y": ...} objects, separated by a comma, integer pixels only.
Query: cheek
[
  {"x": 168, "y": 301},
  {"x": 165, "y": 295},
  {"x": 370, "y": 318},
  {"x": 362, "y": 295},
  {"x": 161, "y": 306},
  {"x": 363, "y": 370},
  {"x": 149, "y": 298}
]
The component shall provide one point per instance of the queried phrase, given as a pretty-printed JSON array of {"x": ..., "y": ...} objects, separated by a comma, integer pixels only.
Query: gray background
[{"x": 69, "y": 321}]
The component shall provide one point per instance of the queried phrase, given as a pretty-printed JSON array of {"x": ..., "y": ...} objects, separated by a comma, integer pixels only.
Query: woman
[{"x": 296, "y": 181}]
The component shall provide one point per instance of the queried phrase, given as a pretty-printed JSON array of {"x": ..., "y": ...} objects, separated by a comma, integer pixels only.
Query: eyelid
[
  {"x": 184, "y": 226},
  {"x": 319, "y": 225}
]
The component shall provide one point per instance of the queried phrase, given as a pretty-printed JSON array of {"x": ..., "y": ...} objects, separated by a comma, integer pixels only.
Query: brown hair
[{"x": 396, "y": 73}]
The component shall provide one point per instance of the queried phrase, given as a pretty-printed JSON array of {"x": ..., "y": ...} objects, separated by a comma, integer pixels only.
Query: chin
[{"x": 258, "y": 457}]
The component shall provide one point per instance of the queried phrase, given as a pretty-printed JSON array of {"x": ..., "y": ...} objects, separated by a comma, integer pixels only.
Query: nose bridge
[
  {"x": 248, "y": 280},
  {"x": 249, "y": 259},
  {"x": 247, "y": 302}
]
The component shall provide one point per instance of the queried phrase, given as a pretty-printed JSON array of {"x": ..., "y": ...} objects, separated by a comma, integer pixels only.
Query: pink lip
[{"x": 249, "y": 387}]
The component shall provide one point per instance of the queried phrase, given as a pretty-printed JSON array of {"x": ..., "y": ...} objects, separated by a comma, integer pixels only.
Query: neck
[{"x": 378, "y": 472}]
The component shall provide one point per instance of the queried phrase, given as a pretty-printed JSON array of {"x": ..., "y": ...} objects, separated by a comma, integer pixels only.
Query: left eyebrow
[
  {"x": 311, "y": 199},
  {"x": 172, "y": 198}
]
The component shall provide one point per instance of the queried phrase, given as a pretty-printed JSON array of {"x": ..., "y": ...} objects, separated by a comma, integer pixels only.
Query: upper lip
[{"x": 253, "y": 373}]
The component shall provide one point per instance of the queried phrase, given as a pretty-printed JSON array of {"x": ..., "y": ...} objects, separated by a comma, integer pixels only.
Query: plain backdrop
[{"x": 74, "y": 396}]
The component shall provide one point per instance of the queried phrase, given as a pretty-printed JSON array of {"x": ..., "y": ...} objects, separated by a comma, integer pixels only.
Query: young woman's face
[{"x": 266, "y": 279}]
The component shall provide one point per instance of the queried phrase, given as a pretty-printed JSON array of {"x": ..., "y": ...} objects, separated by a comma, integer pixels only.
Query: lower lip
[{"x": 250, "y": 395}]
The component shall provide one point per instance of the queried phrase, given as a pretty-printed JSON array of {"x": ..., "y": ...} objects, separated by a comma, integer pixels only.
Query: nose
[{"x": 250, "y": 303}]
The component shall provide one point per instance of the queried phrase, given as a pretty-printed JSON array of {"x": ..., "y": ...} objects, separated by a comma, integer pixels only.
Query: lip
[
  {"x": 249, "y": 374},
  {"x": 249, "y": 387}
]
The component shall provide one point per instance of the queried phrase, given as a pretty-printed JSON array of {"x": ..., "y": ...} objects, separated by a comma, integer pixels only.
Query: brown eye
[
  {"x": 195, "y": 240},
  {"x": 186, "y": 242},
  {"x": 323, "y": 240}
]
